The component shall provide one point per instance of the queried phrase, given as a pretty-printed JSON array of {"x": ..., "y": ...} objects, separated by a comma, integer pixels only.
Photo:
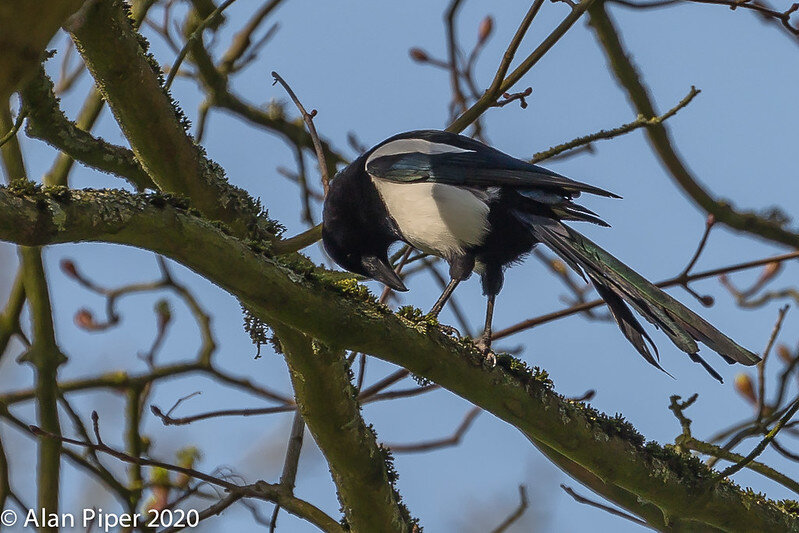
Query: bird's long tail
[{"x": 617, "y": 283}]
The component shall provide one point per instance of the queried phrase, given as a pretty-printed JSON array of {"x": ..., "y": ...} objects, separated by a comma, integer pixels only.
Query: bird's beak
[{"x": 380, "y": 270}]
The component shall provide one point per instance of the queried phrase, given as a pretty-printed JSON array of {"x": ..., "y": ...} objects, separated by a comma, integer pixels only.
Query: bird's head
[
  {"x": 352, "y": 256},
  {"x": 354, "y": 231}
]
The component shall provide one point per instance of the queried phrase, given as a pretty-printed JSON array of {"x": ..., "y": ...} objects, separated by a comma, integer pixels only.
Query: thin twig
[
  {"x": 720, "y": 453},
  {"x": 15, "y": 128},
  {"x": 308, "y": 119},
  {"x": 169, "y": 421},
  {"x": 196, "y": 34},
  {"x": 452, "y": 440},
  {"x": 640, "y": 122},
  {"x": 607, "y": 508},
  {"x": 260, "y": 489},
  {"x": 289, "y": 475},
  {"x": 496, "y": 87},
  {"x": 762, "y": 445},
  {"x": 516, "y": 514},
  {"x": 761, "y": 366}
]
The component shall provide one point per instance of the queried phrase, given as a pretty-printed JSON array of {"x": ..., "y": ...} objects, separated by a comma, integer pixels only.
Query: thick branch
[
  {"x": 340, "y": 314},
  {"x": 47, "y": 122},
  {"x": 28, "y": 25},
  {"x": 328, "y": 404},
  {"x": 131, "y": 84},
  {"x": 45, "y": 357},
  {"x": 661, "y": 142}
]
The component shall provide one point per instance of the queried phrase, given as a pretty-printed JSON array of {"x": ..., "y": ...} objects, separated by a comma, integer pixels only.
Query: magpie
[{"x": 482, "y": 210}]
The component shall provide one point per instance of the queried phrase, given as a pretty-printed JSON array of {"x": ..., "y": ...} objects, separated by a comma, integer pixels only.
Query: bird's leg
[
  {"x": 484, "y": 341},
  {"x": 440, "y": 305},
  {"x": 460, "y": 268}
]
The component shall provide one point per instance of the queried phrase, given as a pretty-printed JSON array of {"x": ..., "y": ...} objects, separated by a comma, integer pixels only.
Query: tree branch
[
  {"x": 259, "y": 489},
  {"x": 132, "y": 85},
  {"x": 360, "y": 467},
  {"x": 47, "y": 122},
  {"x": 660, "y": 140},
  {"x": 27, "y": 28},
  {"x": 639, "y": 122},
  {"x": 502, "y": 84},
  {"x": 45, "y": 357},
  {"x": 342, "y": 314}
]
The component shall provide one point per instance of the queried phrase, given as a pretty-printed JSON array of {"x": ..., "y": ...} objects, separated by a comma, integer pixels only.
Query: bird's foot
[
  {"x": 449, "y": 330},
  {"x": 484, "y": 345}
]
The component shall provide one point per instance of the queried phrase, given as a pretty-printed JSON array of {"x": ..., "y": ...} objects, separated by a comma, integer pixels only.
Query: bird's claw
[
  {"x": 489, "y": 355},
  {"x": 449, "y": 330}
]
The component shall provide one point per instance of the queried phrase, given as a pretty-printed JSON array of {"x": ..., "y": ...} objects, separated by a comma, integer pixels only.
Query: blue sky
[{"x": 349, "y": 60}]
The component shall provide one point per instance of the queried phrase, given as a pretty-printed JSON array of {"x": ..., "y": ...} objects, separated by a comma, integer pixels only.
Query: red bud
[
  {"x": 707, "y": 300},
  {"x": 745, "y": 387},
  {"x": 419, "y": 55},
  {"x": 68, "y": 267},
  {"x": 485, "y": 29},
  {"x": 84, "y": 319},
  {"x": 769, "y": 271}
]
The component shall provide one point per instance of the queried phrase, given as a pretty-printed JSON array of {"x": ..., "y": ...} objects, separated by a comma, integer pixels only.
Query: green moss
[
  {"x": 687, "y": 466},
  {"x": 144, "y": 46},
  {"x": 350, "y": 288},
  {"x": 615, "y": 426},
  {"x": 518, "y": 368},
  {"x": 24, "y": 188},
  {"x": 302, "y": 266},
  {"x": 789, "y": 506},
  {"x": 393, "y": 477},
  {"x": 418, "y": 317},
  {"x": 256, "y": 329},
  {"x": 260, "y": 247},
  {"x": 60, "y": 193},
  {"x": 162, "y": 199}
]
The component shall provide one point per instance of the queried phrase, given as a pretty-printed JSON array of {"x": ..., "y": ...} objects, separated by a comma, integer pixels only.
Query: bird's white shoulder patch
[
  {"x": 410, "y": 146},
  {"x": 439, "y": 219}
]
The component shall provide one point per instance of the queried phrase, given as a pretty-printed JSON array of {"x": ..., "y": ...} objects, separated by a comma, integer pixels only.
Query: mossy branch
[
  {"x": 343, "y": 314},
  {"x": 46, "y": 121},
  {"x": 46, "y": 357},
  {"x": 132, "y": 84},
  {"x": 27, "y": 28},
  {"x": 328, "y": 404}
]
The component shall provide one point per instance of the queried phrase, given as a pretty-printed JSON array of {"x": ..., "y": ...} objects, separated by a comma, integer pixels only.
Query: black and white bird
[{"x": 482, "y": 210}]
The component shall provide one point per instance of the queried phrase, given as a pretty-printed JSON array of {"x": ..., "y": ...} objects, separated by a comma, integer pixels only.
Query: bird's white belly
[{"x": 439, "y": 219}]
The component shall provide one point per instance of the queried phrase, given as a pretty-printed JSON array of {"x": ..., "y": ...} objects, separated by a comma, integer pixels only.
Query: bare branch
[
  {"x": 515, "y": 515},
  {"x": 260, "y": 489},
  {"x": 606, "y": 508},
  {"x": 661, "y": 142},
  {"x": 308, "y": 119},
  {"x": 452, "y": 440},
  {"x": 727, "y": 472},
  {"x": 640, "y": 122}
]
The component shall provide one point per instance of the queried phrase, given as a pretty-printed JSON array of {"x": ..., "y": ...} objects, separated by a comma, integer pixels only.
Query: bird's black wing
[{"x": 451, "y": 159}]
